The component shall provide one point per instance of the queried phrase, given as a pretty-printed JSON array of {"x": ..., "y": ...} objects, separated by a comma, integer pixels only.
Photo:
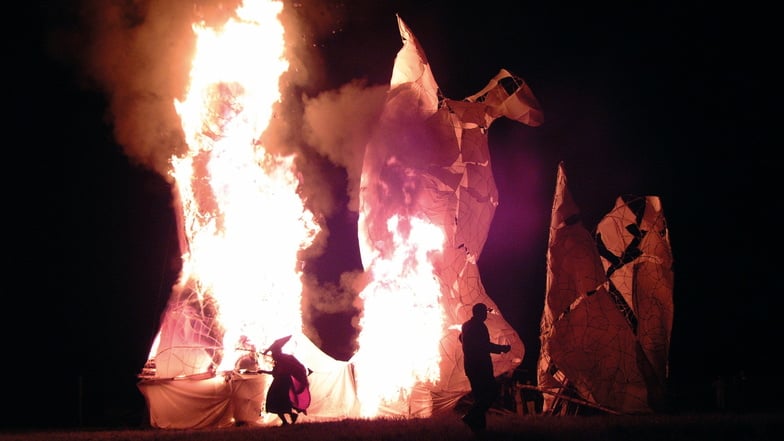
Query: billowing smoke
[
  {"x": 138, "y": 54},
  {"x": 338, "y": 124}
]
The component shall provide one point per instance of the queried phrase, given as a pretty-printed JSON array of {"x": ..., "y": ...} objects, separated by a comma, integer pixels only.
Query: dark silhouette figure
[
  {"x": 478, "y": 365},
  {"x": 289, "y": 393}
]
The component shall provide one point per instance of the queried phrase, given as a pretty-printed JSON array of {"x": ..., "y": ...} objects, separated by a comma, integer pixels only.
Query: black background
[{"x": 673, "y": 99}]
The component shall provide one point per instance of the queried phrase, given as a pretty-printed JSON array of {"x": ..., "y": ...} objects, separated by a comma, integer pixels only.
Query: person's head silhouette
[{"x": 480, "y": 311}]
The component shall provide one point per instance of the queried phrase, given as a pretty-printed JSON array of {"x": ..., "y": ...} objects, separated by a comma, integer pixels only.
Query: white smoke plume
[{"x": 138, "y": 53}]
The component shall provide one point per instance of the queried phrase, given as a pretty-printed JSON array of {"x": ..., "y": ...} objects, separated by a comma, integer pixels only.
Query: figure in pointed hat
[{"x": 289, "y": 393}]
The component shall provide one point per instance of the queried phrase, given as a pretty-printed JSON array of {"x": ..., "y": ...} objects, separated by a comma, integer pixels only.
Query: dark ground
[
  {"x": 714, "y": 426},
  {"x": 684, "y": 95}
]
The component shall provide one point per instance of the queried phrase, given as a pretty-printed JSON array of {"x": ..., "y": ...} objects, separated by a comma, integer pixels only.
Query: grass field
[{"x": 448, "y": 427}]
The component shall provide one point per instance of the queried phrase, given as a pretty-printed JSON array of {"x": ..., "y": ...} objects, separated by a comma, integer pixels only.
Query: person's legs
[
  {"x": 481, "y": 421},
  {"x": 475, "y": 417},
  {"x": 282, "y": 417},
  {"x": 470, "y": 417},
  {"x": 485, "y": 393}
]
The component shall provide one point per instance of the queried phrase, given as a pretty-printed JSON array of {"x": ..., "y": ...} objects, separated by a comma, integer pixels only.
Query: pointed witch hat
[{"x": 277, "y": 345}]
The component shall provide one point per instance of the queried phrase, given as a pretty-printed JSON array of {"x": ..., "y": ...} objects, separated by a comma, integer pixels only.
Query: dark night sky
[{"x": 668, "y": 99}]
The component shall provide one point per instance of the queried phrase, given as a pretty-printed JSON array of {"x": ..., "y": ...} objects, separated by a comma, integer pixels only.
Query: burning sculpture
[{"x": 427, "y": 199}]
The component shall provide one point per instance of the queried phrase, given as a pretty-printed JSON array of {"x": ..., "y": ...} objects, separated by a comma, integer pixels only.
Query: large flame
[
  {"x": 242, "y": 218},
  {"x": 426, "y": 204},
  {"x": 399, "y": 345}
]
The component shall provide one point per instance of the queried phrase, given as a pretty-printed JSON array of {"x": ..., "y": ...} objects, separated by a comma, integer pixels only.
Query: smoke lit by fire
[
  {"x": 243, "y": 162},
  {"x": 243, "y": 219},
  {"x": 244, "y": 223}
]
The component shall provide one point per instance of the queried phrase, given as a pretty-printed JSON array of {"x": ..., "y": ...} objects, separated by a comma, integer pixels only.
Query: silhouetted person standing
[
  {"x": 478, "y": 365},
  {"x": 289, "y": 393}
]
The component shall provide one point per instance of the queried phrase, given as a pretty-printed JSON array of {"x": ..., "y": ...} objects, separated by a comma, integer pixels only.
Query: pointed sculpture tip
[
  {"x": 405, "y": 33},
  {"x": 561, "y": 172}
]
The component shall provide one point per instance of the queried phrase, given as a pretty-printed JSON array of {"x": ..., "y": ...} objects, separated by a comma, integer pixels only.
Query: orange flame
[
  {"x": 243, "y": 225},
  {"x": 243, "y": 220},
  {"x": 399, "y": 345}
]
